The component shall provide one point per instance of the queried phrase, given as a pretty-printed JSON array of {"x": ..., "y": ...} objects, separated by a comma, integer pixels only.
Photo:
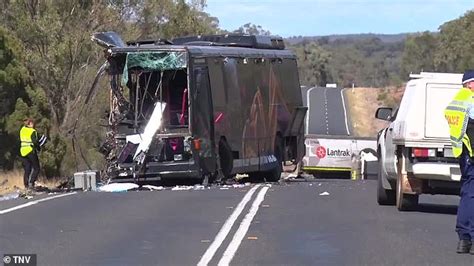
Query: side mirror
[{"x": 384, "y": 113}]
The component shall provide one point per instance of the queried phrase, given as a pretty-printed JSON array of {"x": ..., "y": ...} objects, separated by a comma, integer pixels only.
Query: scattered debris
[
  {"x": 10, "y": 196},
  {"x": 205, "y": 241},
  {"x": 182, "y": 188},
  {"x": 265, "y": 206},
  {"x": 118, "y": 187},
  {"x": 325, "y": 193},
  {"x": 252, "y": 238},
  {"x": 199, "y": 187},
  {"x": 152, "y": 188},
  {"x": 241, "y": 176},
  {"x": 292, "y": 175}
]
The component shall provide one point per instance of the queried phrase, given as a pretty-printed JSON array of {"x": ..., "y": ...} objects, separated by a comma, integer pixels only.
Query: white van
[{"x": 414, "y": 151}]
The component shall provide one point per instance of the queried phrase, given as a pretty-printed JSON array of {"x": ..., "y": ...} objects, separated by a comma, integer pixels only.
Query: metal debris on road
[
  {"x": 325, "y": 193},
  {"x": 252, "y": 238},
  {"x": 265, "y": 206},
  {"x": 205, "y": 241}
]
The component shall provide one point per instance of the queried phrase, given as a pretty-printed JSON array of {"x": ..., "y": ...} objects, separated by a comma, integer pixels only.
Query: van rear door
[{"x": 438, "y": 97}]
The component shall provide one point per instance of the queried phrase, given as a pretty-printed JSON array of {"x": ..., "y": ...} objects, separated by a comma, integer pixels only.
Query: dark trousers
[
  {"x": 465, "y": 218},
  {"x": 32, "y": 167}
]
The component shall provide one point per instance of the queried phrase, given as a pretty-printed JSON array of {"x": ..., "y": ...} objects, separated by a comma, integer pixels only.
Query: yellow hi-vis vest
[
  {"x": 456, "y": 113},
  {"x": 26, "y": 146}
]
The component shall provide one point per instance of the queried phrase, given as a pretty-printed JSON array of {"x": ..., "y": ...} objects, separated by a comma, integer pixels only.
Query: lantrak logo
[{"x": 322, "y": 152}]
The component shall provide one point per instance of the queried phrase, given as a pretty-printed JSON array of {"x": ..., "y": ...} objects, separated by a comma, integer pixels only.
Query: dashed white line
[
  {"x": 30, "y": 203},
  {"x": 326, "y": 110},
  {"x": 243, "y": 228},
  {"x": 220, "y": 237}
]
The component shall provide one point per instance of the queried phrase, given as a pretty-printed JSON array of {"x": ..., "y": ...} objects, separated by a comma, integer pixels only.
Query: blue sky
[{"x": 324, "y": 17}]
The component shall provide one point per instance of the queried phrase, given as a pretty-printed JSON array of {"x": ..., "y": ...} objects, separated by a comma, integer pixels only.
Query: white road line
[
  {"x": 345, "y": 112},
  {"x": 326, "y": 109},
  {"x": 309, "y": 108},
  {"x": 220, "y": 237},
  {"x": 243, "y": 228},
  {"x": 30, "y": 203}
]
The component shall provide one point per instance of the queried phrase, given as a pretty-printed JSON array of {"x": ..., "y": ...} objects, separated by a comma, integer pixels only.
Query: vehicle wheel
[
  {"x": 405, "y": 202},
  {"x": 275, "y": 174},
  {"x": 255, "y": 177},
  {"x": 384, "y": 196}
]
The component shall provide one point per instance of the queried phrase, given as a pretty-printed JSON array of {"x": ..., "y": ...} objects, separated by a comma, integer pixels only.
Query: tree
[
  {"x": 418, "y": 53},
  {"x": 13, "y": 78},
  {"x": 62, "y": 61},
  {"x": 167, "y": 18},
  {"x": 313, "y": 63},
  {"x": 252, "y": 29},
  {"x": 455, "y": 51}
]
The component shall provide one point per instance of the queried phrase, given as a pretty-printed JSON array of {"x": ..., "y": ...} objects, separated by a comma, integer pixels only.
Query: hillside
[
  {"x": 385, "y": 38},
  {"x": 362, "y": 104}
]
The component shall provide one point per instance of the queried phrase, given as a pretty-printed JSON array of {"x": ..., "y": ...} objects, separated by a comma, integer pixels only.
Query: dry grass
[
  {"x": 13, "y": 181},
  {"x": 362, "y": 104}
]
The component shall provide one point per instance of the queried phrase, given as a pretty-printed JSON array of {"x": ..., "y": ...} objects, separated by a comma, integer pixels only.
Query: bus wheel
[{"x": 274, "y": 175}]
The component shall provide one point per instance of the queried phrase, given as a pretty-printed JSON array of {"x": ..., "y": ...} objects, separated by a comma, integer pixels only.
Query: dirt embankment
[
  {"x": 363, "y": 103},
  {"x": 13, "y": 181}
]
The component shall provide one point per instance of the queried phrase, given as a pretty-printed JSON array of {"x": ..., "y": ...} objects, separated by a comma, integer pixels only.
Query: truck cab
[{"x": 414, "y": 151}]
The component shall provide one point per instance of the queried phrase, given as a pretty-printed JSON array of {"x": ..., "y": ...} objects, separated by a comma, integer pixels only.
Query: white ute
[{"x": 414, "y": 151}]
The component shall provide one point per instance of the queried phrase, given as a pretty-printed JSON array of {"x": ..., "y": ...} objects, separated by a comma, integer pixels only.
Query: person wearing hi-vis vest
[
  {"x": 460, "y": 116},
  {"x": 30, "y": 145}
]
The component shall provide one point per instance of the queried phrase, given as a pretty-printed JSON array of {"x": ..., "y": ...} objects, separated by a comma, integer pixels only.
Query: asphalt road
[
  {"x": 327, "y": 114},
  {"x": 281, "y": 224}
]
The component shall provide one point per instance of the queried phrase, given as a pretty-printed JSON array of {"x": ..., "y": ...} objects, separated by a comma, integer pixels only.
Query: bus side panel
[
  {"x": 253, "y": 100},
  {"x": 288, "y": 71},
  {"x": 202, "y": 121}
]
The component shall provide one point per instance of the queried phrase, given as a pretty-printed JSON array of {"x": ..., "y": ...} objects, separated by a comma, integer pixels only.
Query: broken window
[
  {"x": 149, "y": 78},
  {"x": 149, "y": 96}
]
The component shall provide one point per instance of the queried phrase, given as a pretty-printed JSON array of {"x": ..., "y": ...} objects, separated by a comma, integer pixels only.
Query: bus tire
[{"x": 274, "y": 175}]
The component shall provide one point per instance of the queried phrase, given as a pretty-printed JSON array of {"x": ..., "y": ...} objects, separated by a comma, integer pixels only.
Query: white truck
[
  {"x": 347, "y": 154},
  {"x": 414, "y": 151}
]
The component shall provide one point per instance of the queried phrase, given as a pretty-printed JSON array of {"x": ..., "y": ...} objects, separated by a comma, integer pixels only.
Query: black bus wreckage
[{"x": 201, "y": 107}]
